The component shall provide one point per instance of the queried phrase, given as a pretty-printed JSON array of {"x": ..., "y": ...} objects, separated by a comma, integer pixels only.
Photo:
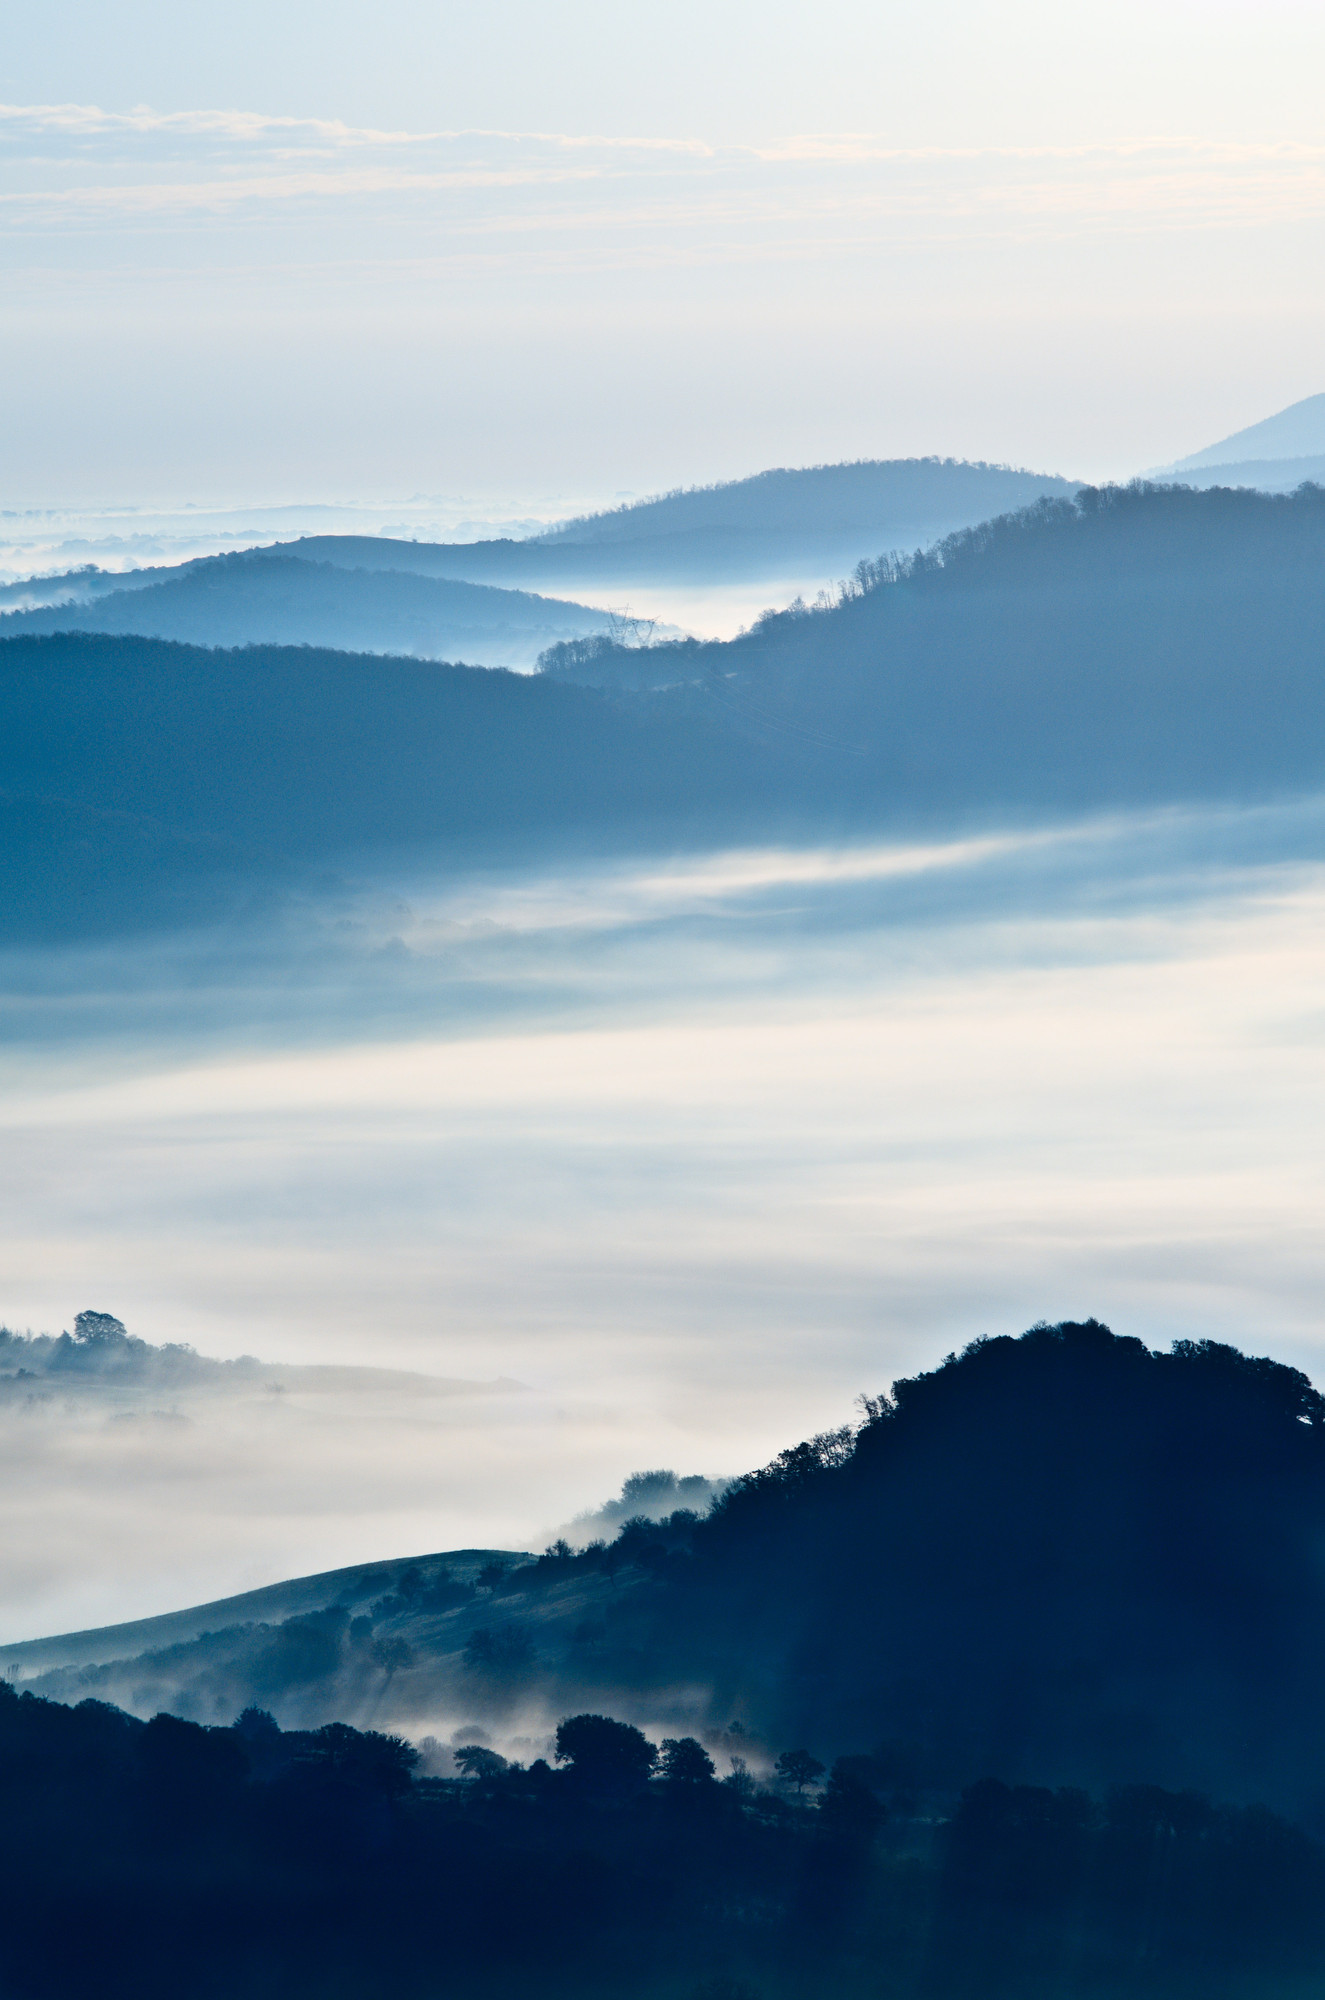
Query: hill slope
[
  {"x": 266, "y": 597},
  {"x": 1062, "y": 1559},
  {"x": 818, "y": 520},
  {"x": 1297, "y": 432},
  {"x": 143, "y": 781},
  {"x": 1139, "y": 644},
  {"x": 1142, "y": 646}
]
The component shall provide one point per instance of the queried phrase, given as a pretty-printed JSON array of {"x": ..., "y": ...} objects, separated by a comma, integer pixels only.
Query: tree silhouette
[
  {"x": 685, "y": 1762},
  {"x": 799, "y": 1768},
  {"x": 605, "y": 1755}
]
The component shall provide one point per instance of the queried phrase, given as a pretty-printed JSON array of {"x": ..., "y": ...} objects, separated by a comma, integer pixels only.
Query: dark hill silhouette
[
  {"x": 165, "y": 1857},
  {"x": 1063, "y": 1559},
  {"x": 147, "y": 782},
  {"x": 267, "y": 597},
  {"x": 1063, "y": 1556}
]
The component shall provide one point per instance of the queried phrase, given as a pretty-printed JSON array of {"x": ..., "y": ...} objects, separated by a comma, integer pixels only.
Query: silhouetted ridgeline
[
  {"x": 1063, "y": 1559},
  {"x": 165, "y": 1859},
  {"x": 269, "y": 597},
  {"x": 1136, "y": 644},
  {"x": 962, "y": 1683},
  {"x": 1139, "y": 646}
]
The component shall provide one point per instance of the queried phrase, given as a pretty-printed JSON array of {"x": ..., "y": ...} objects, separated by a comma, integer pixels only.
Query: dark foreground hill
[
  {"x": 992, "y": 1650},
  {"x": 164, "y": 1858},
  {"x": 1063, "y": 1559},
  {"x": 142, "y": 781}
]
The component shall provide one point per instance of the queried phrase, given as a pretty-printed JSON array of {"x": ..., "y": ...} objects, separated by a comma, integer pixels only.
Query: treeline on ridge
[
  {"x": 157, "y": 1858},
  {"x": 1064, "y": 1559},
  {"x": 1134, "y": 647}
]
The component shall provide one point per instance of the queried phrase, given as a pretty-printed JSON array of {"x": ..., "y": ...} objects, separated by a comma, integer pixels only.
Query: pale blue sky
[
  {"x": 1083, "y": 237},
  {"x": 947, "y": 72}
]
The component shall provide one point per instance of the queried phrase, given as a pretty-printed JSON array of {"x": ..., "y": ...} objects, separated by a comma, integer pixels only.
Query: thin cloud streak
[{"x": 1160, "y": 182}]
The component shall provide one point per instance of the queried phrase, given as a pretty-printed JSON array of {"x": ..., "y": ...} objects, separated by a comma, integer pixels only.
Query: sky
[{"x": 518, "y": 254}]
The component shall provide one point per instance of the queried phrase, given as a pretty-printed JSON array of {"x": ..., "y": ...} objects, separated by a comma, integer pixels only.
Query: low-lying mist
[{"x": 665, "y": 1161}]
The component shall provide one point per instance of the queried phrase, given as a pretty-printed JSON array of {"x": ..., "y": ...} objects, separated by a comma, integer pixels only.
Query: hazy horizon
[{"x": 542, "y": 248}]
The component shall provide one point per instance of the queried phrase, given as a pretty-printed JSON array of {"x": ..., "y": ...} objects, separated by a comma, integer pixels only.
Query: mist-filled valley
[
  {"x": 470, "y": 1121},
  {"x": 1135, "y": 647}
]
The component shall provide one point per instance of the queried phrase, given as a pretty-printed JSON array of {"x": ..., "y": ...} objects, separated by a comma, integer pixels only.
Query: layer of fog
[
  {"x": 42, "y": 541},
  {"x": 691, "y": 1152}
]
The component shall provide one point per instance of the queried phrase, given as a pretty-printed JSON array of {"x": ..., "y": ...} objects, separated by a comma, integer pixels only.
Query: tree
[
  {"x": 392, "y": 1654},
  {"x": 799, "y": 1768},
  {"x": 95, "y": 1329},
  {"x": 477, "y": 1761},
  {"x": 363, "y": 1757},
  {"x": 685, "y": 1762},
  {"x": 603, "y": 1754}
]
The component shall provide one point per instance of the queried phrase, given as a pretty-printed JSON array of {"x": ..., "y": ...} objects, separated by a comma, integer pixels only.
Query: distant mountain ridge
[
  {"x": 816, "y": 519},
  {"x": 1133, "y": 647},
  {"x": 275, "y": 597},
  {"x": 1267, "y": 475},
  {"x": 862, "y": 494},
  {"x": 1295, "y": 432},
  {"x": 820, "y": 520}
]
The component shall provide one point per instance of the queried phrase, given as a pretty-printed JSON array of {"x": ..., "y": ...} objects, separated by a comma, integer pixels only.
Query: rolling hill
[
  {"x": 1136, "y": 647},
  {"x": 818, "y": 520},
  {"x": 270, "y": 597},
  {"x": 1063, "y": 1559}
]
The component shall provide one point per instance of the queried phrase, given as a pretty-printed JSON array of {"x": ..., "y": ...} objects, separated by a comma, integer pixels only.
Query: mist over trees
[
  {"x": 785, "y": 521},
  {"x": 1065, "y": 1520},
  {"x": 1132, "y": 648},
  {"x": 266, "y": 597},
  {"x": 1131, "y": 1536}
]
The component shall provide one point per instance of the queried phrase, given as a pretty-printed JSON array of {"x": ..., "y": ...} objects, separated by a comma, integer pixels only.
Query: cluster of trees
[
  {"x": 1133, "y": 1537},
  {"x": 163, "y": 1857}
]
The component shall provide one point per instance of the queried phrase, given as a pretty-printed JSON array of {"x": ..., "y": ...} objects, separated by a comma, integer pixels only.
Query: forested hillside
[
  {"x": 1135, "y": 645},
  {"x": 266, "y": 597},
  {"x": 1062, "y": 1559},
  {"x": 932, "y": 1706},
  {"x": 1139, "y": 647},
  {"x": 146, "y": 782},
  {"x": 165, "y": 1858}
]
